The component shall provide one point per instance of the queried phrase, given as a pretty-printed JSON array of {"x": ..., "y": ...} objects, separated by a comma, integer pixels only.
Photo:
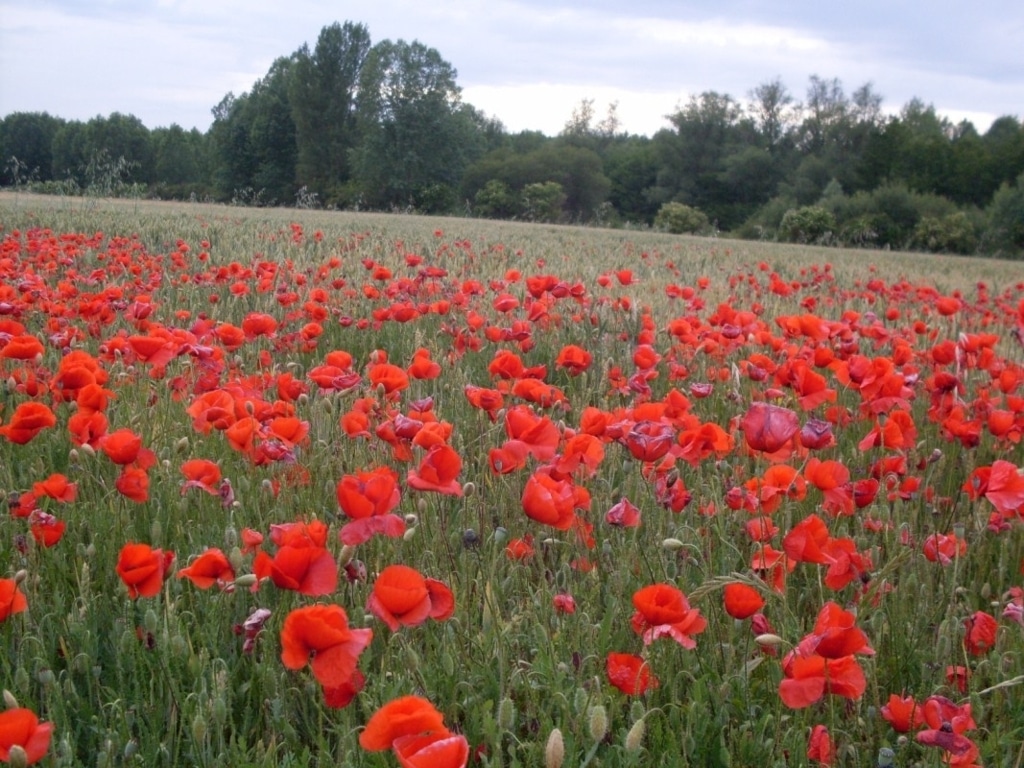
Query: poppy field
[{"x": 294, "y": 488}]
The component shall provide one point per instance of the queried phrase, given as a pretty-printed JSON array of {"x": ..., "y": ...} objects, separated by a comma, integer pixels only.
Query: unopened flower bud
[
  {"x": 598, "y": 722},
  {"x": 554, "y": 750},
  {"x": 635, "y": 737}
]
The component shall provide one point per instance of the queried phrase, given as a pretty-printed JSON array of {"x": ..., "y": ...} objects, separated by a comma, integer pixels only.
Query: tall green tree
[
  {"x": 322, "y": 92},
  {"x": 178, "y": 161},
  {"x": 415, "y": 135},
  {"x": 26, "y": 146}
]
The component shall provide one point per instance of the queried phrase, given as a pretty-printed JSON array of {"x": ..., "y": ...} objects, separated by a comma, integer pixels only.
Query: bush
[
  {"x": 679, "y": 219},
  {"x": 953, "y": 233},
  {"x": 496, "y": 201},
  {"x": 543, "y": 201},
  {"x": 1005, "y": 233},
  {"x": 809, "y": 224}
]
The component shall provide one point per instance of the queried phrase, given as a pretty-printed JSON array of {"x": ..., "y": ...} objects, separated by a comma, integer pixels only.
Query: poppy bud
[
  {"x": 554, "y": 750},
  {"x": 506, "y": 714},
  {"x": 672, "y": 545},
  {"x": 182, "y": 445},
  {"x": 20, "y": 576},
  {"x": 409, "y": 533},
  {"x": 16, "y": 756},
  {"x": 346, "y": 555},
  {"x": 598, "y": 722},
  {"x": 87, "y": 449},
  {"x": 9, "y": 701},
  {"x": 199, "y": 728},
  {"x": 635, "y": 737},
  {"x": 246, "y": 580},
  {"x": 769, "y": 640},
  {"x": 468, "y": 489}
]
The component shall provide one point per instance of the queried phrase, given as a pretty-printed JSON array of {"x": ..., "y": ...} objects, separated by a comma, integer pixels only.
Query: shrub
[
  {"x": 543, "y": 201},
  {"x": 1005, "y": 234},
  {"x": 678, "y": 219},
  {"x": 953, "y": 233},
  {"x": 809, "y": 224},
  {"x": 496, "y": 201}
]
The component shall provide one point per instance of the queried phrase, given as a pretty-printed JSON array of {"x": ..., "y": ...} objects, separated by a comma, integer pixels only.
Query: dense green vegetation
[{"x": 353, "y": 124}]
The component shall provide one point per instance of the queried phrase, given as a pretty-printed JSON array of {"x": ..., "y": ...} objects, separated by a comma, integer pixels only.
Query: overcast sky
[{"x": 526, "y": 62}]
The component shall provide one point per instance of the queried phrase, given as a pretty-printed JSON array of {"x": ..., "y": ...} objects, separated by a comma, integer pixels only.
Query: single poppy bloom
[
  {"x": 307, "y": 568},
  {"x": 520, "y": 549},
  {"x": 12, "y": 599},
  {"x": 142, "y": 569},
  {"x": 819, "y": 746},
  {"x": 322, "y": 631},
  {"x": 402, "y": 596},
  {"x": 649, "y": 440},
  {"x": 902, "y": 713},
  {"x": 56, "y": 487},
  {"x": 741, "y": 600},
  {"x": 46, "y": 529},
  {"x": 438, "y": 471},
  {"x": 808, "y": 678},
  {"x": 769, "y": 427},
  {"x": 564, "y": 603},
  {"x": 835, "y": 635},
  {"x": 574, "y": 359},
  {"x": 369, "y": 498},
  {"x": 623, "y": 514},
  {"x": 20, "y": 727},
  {"x": 133, "y": 484},
  {"x": 662, "y": 610},
  {"x": 433, "y": 750},
  {"x": 404, "y": 716},
  {"x": 630, "y": 674},
  {"x": 22, "y": 347},
  {"x": 27, "y": 421},
  {"x": 211, "y": 567},
  {"x": 980, "y": 633},
  {"x": 389, "y": 377},
  {"x": 549, "y": 501},
  {"x": 122, "y": 446},
  {"x": 203, "y": 474}
]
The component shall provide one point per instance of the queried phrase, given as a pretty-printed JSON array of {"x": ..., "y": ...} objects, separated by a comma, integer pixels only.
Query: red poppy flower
[
  {"x": 402, "y": 596},
  {"x": 368, "y": 498},
  {"x": 520, "y": 549},
  {"x": 46, "y": 529},
  {"x": 22, "y": 347},
  {"x": 769, "y": 427},
  {"x": 133, "y": 484},
  {"x": 211, "y": 567},
  {"x": 20, "y": 727},
  {"x": 203, "y": 474},
  {"x": 122, "y": 446},
  {"x": 438, "y": 472},
  {"x": 630, "y": 674},
  {"x": 404, "y": 716},
  {"x": 819, "y": 746},
  {"x": 741, "y": 600},
  {"x": 902, "y": 713},
  {"x": 564, "y": 603},
  {"x": 56, "y": 487},
  {"x": 539, "y": 434},
  {"x": 663, "y": 611},
  {"x": 142, "y": 569},
  {"x": 623, "y": 514},
  {"x": 389, "y": 377},
  {"x": 980, "y": 633},
  {"x": 27, "y": 421},
  {"x": 835, "y": 635},
  {"x": 808, "y": 678},
  {"x": 322, "y": 631},
  {"x": 574, "y": 359},
  {"x": 306, "y": 568},
  {"x": 943, "y": 548},
  {"x": 549, "y": 501},
  {"x": 422, "y": 367},
  {"x": 432, "y": 750},
  {"x": 805, "y": 543},
  {"x": 12, "y": 599},
  {"x": 649, "y": 440}
]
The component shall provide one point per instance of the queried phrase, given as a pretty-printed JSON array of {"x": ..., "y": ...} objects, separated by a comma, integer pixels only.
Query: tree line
[{"x": 354, "y": 124}]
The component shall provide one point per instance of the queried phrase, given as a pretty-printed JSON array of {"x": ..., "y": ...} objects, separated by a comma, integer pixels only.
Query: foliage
[
  {"x": 1005, "y": 232},
  {"x": 542, "y": 201},
  {"x": 953, "y": 233},
  {"x": 809, "y": 224},
  {"x": 679, "y": 219}
]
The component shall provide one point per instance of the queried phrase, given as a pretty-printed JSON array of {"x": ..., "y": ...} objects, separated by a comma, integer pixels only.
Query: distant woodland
[{"x": 353, "y": 124}]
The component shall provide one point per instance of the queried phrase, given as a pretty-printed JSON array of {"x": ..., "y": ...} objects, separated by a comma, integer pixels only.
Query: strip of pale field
[{"x": 572, "y": 252}]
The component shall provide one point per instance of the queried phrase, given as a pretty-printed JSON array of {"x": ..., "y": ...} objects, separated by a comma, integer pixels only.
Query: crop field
[{"x": 305, "y": 488}]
